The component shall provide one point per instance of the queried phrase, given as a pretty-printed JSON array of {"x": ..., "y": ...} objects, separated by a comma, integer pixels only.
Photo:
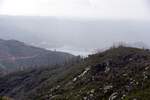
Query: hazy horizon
[{"x": 77, "y": 26}]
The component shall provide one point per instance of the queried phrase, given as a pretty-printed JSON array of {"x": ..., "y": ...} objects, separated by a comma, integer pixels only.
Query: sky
[{"x": 104, "y": 9}]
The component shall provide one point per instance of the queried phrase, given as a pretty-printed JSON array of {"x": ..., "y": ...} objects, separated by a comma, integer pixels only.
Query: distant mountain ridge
[
  {"x": 58, "y": 32},
  {"x": 18, "y": 55}
]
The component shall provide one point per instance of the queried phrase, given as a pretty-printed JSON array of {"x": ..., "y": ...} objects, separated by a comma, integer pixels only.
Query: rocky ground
[{"x": 121, "y": 73}]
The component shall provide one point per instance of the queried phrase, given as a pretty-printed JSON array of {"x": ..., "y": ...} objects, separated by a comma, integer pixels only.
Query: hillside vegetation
[
  {"x": 121, "y": 73},
  {"x": 16, "y": 56}
]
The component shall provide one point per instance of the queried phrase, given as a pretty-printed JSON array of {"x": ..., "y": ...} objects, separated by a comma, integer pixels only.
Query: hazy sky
[
  {"x": 111, "y": 9},
  {"x": 132, "y": 24}
]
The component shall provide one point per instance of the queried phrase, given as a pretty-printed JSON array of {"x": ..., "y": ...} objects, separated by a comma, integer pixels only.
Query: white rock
[
  {"x": 146, "y": 68},
  {"x": 130, "y": 59},
  {"x": 113, "y": 96},
  {"x": 91, "y": 95},
  {"x": 84, "y": 98},
  {"x": 124, "y": 74},
  {"x": 92, "y": 91},
  {"x": 107, "y": 69},
  {"x": 75, "y": 79},
  {"x": 84, "y": 72},
  {"x": 106, "y": 88},
  {"x": 123, "y": 96}
]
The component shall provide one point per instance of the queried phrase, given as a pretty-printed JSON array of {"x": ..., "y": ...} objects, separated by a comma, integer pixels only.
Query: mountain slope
[
  {"x": 121, "y": 73},
  {"x": 15, "y": 55},
  {"x": 117, "y": 73}
]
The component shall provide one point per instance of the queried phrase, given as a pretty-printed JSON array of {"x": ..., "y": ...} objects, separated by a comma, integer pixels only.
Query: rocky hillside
[
  {"x": 15, "y": 55},
  {"x": 121, "y": 73}
]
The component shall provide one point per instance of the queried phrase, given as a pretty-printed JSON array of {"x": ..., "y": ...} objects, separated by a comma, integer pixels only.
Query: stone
[
  {"x": 107, "y": 69},
  {"x": 84, "y": 72},
  {"x": 106, "y": 88},
  {"x": 75, "y": 79},
  {"x": 113, "y": 96}
]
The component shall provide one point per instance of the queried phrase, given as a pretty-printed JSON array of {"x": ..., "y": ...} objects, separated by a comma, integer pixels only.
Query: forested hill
[{"x": 16, "y": 55}]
